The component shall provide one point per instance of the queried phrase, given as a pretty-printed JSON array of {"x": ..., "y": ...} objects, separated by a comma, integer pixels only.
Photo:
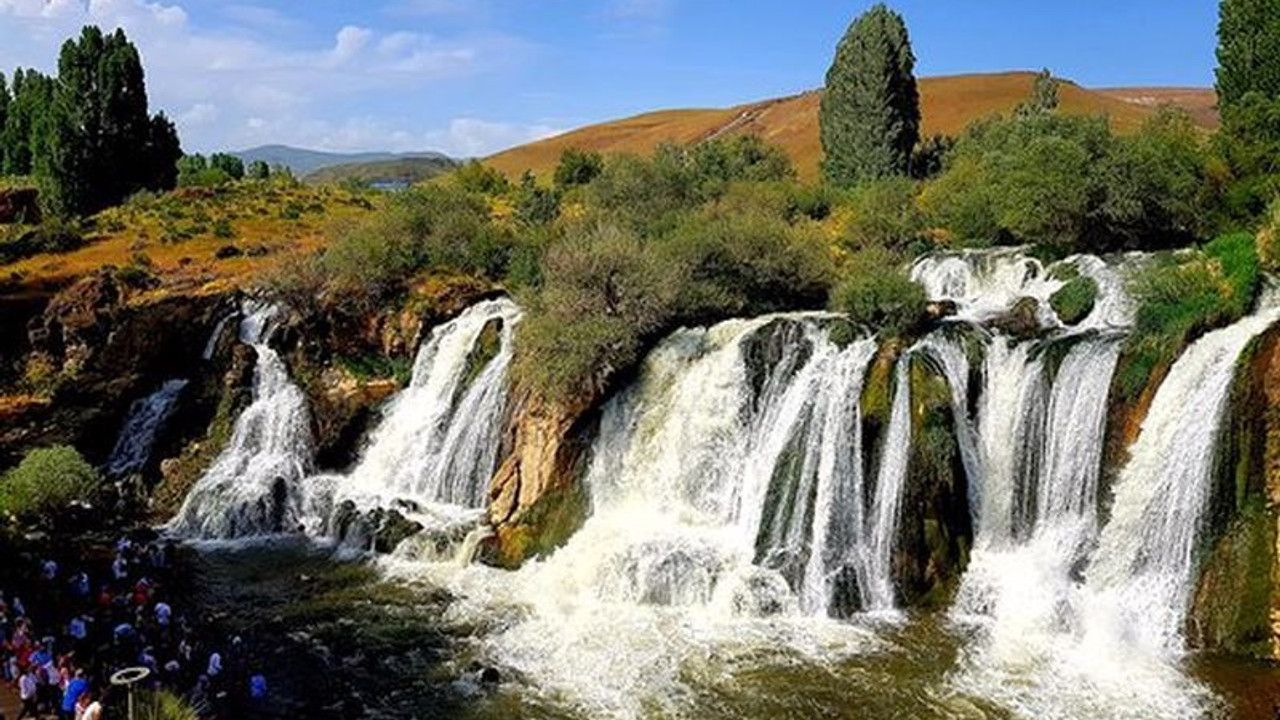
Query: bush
[
  {"x": 1183, "y": 297},
  {"x": 222, "y": 229},
  {"x": 885, "y": 214},
  {"x": 436, "y": 227},
  {"x": 578, "y": 167},
  {"x": 1068, "y": 183},
  {"x": 46, "y": 483},
  {"x": 604, "y": 293},
  {"x": 1269, "y": 239},
  {"x": 1075, "y": 300},
  {"x": 476, "y": 177},
  {"x": 876, "y": 292}
]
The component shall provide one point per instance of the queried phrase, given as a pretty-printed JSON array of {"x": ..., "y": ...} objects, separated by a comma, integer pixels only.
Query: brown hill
[{"x": 948, "y": 104}]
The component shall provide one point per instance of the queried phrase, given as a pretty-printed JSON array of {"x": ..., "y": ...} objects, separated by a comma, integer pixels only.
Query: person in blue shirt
[{"x": 71, "y": 695}]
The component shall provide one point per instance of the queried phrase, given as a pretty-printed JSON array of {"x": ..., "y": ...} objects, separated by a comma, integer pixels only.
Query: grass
[
  {"x": 948, "y": 104},
  {"x": 1075, "y": 300},
  {"x": 181, "y": 233},
  {"x": 1182, "y": 297}
]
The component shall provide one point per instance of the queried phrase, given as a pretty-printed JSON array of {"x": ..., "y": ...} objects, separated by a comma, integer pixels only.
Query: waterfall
[
  {"x": 147, "y": 417},
  {"x": 432, "y": 455},
  {"x": 439, "y": 439},
  {"x": 895, "y": 456},
  {"x": 738, "y": 454},
  {"x": 252, "y": 487},
  {"x": 1143, "y": 572}
]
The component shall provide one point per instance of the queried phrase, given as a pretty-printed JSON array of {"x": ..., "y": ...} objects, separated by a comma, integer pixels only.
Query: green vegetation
[
  {"x": 1181, "y": 297},
  {"x": 1075, "y": 300},
  {"x": 578, "y": 167},
  {"x": 876, "y": 292},
  {"x": 53, "y": 237},
  {"x": 87, "y": 136},
  {"x": 1068, "y": 183},
  {"x": 406, "y": 171},
  {"x": 1248, "y": 49},
  {"x": 45, "y": 485},
  {"x": 870, "y": 117}
]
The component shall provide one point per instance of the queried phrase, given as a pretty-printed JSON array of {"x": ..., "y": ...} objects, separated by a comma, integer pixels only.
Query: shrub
[
  {"x": 885, "y": 214},
  {"x": 435, "y": 227},
  {"x": 1075, "y": 300},
  {"x": 604, "y": 293},
  {"x": 51, "y": 236},
  {"x": 164, "y": 705},
  {"x": 1183, "y": 297},
  {"x": 1269, "y": 239},
  {"x": 222, "y": 229},
  {"x": 46, "y": 483},
  {"x": 875, "y": 291},
  {"x": 578, "y": 167},
  {"x": 476, "y": 177}
]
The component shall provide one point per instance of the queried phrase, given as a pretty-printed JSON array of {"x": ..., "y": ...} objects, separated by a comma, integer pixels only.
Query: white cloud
[{"x": 229, "y": 88}]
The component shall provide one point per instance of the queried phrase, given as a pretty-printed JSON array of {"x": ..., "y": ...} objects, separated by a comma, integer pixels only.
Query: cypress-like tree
[
  {"x": 870, "y": 118},
  {"x": 4, "y": 114},
  {"x": 100, "y": 144},
  {"x": 24, "y": 127},
  {"x": 1248, "y": 49}
]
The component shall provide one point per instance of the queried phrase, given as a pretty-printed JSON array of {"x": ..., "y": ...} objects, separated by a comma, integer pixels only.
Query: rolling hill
[
  {"x": 948, "y": 104},
  {"x": 400, "y": 171},
  {"x": 304, "y": 162}
]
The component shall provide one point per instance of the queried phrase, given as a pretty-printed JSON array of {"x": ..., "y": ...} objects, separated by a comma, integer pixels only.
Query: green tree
[
  {"x": 259, "y": 170},
  {"x": 1248, "y": 49},
  {"x": 229, "y": 164},
  {"x": 32, "y": 97},
  {"x": 1044, "y": 95},
  {"x": 5, "y": 99},
  {"x": 536, "y": 205},
  {"x": 870, "y": 116}
]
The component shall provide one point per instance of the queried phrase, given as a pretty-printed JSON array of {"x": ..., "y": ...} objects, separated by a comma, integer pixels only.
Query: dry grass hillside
[{"x": 948, "y": 105}]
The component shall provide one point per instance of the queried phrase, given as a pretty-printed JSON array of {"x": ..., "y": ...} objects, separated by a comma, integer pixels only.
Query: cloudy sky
[{"x": 469, "y": 77}]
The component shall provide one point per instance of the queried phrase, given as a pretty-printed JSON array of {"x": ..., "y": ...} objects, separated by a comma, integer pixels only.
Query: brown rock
[{"x": 19, "y": 205}]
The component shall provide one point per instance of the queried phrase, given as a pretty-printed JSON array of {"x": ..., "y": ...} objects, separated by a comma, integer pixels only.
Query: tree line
[{"x": 87, "y": 137}]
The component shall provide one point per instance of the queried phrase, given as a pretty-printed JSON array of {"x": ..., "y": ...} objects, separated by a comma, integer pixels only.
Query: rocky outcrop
[
  {"x": 1237, "y": 601},
  {"x": 93, "y": 350},
  {"x": 936, "y": 533},
  {"x": 1022, "y": 321},
  {"x": 535, "y": 500}
]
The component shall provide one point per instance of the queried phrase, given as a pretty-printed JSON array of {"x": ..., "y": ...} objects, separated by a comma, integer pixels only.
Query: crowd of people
[{"x": 68, "y": 631}]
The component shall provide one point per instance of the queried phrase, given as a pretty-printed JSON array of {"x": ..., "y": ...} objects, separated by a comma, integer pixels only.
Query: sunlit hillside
[{"x": 948, "y": 104}]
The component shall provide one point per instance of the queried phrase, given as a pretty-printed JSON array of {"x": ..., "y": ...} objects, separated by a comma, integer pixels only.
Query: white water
[
  {"x": 437, "y": 446},
  {"x": 895, "y": 456},
  {"x": 726, "y": 487},
  {"x": 1144, "y": 570},
  {"x": 253, "y": 486},
  {"x": 147, "y": 417}
]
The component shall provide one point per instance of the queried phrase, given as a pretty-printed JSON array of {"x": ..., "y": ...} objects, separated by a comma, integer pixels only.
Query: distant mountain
[
  {"x": 304, "y": 162},
  {"x": 399, "y": 172}
]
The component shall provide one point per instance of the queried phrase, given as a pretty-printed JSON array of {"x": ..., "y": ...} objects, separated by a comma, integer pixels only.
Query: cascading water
[
  {"x": 438, "y": 443},
  {"x": 147, "y": 417},
  {"x": 1144, "y": 569},
  {"x": 894, "y": 459},
  {"x": 253, "y": 486}
]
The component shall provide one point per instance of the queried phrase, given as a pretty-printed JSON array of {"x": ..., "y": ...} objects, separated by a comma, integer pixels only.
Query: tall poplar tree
[
  {"x": 1248, "y": 50},
  {"x": 870, "y": 117}
]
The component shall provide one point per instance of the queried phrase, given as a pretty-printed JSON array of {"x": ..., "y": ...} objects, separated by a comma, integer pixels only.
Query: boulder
[{"x": 1021, "y": 321}]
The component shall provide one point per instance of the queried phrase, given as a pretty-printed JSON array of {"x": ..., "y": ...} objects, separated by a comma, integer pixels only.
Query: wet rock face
[
  {"x": 937, "y": 532},
  {"x": 1022, "y": 321},
  {"x": 93, "y": 351},
  {"x": 380, "y": 529},
  {"x": 1236, "y": 607}
]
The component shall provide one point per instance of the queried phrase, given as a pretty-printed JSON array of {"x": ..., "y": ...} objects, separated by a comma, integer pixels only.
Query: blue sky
[{"x": 472, "y": 76}]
